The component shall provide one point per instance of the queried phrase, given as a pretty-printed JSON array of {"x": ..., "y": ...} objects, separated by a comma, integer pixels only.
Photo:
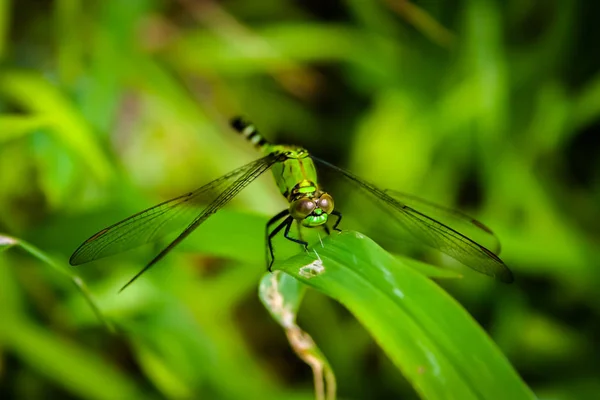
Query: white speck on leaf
[
  {"x": 398, "y": 293},
  {"x": 311, "y": 270}
]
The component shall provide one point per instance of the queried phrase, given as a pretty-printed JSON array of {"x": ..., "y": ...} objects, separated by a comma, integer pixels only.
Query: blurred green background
[{"x": 107, "y": 107}]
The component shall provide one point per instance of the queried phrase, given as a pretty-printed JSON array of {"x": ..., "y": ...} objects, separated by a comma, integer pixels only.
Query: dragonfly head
[{"x": 312, "y": 210}]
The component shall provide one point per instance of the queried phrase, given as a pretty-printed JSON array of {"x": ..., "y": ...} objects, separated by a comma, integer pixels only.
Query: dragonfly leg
[
  {"x": 287, "y": 224},
  {"x": 269, "y": 236},
  {"x": 286, "y": 233},
  {"x": 326, "y": 229},
  {"x": 339, "y": 216}
]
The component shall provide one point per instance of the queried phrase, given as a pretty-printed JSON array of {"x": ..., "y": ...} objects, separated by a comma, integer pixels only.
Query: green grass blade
[
  {"x": 427, "y": 334},
  {"x": 6, "y": 242},
  {"x": 80, "y": 371},
  {"x": 50, "y": 105},
  {"x": 281, "y": 295},
  {"x": 16, "y": 126}
]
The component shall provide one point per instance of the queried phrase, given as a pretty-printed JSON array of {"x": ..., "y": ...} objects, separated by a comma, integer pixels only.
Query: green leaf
[
  {"x": 7, "y": 241},
  {"x": 167, "y": 380},
  {"x": 82, "y": 372},
  {"x": 427, "y": 334},
  {"x": 281, "y": 295},
  {"x": 50, "y": 107},
  {"x": 15, "y": 126}
]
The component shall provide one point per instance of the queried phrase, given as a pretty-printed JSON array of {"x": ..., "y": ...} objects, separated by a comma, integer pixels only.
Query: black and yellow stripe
[{"x": 249, "y": 131}]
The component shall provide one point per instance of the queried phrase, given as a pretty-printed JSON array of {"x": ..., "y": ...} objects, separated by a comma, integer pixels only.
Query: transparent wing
[
  {"x": 176, "y": 214},
  {"x": 431, "y": 232},
  {"x": 457, "y": 220}
]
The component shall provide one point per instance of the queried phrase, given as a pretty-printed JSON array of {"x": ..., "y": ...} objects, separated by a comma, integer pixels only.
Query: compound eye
[
  {"x": 326, "y": 203},
  {"x": 301, "y": 208}
]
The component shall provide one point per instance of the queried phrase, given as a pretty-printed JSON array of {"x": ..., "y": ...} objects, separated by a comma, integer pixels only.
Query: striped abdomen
[
  {"x": 295, "y": 174},
  {"x": 248, "y": 130}
]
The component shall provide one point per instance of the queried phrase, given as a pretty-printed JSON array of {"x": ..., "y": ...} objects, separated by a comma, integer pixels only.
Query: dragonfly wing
[
  {"x": 176, "y": 214},
  {"x": 457, "y": 220},
  {"x": 431, "y": 232},
  {"x": 250, "y": 174}
]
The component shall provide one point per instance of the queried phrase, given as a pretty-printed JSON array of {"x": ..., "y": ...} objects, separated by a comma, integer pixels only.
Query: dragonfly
[{"x": 295, "y": 173}]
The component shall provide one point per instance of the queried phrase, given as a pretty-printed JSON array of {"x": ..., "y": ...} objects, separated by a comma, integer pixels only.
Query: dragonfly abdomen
[
  {"x": 295, "y": 170},
  {"x": 249, "y": 131}
]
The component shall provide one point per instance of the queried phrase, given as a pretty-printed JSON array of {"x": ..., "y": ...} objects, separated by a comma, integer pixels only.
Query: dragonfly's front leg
[
  {"x": 339, "y": 215},
  {"x": 287, "y": 232},
  {"x": 269, "y": 236},
  {"x": 287, "y": 224}
]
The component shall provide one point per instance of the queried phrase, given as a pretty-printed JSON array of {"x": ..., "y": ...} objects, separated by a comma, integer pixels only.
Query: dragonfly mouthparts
[{"x": 315, "y": 219}]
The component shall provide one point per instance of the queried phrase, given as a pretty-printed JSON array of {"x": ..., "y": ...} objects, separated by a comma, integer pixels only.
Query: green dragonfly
[{"x": 296, "y": 176}]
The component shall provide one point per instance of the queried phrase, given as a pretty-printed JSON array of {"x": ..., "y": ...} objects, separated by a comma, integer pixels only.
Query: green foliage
[
  {"x": 436, "y": 344},
  {"x": 7, "y": 242},
  {"x": 107, "y": 107},
  {"x": 281, "y": 294}
]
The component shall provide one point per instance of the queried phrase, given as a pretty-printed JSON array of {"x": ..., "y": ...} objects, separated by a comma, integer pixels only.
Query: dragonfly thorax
[{"x": 311, "y": 208}]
